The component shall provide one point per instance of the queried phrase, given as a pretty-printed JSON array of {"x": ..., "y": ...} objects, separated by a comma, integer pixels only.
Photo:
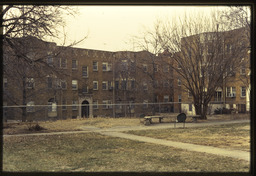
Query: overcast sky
[{"x": 110, "y": 28}]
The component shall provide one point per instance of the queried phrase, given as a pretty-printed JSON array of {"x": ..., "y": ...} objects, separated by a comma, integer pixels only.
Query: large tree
[
  {"x": 24, "y": 27},
  {"x": 205, "y": 54}
]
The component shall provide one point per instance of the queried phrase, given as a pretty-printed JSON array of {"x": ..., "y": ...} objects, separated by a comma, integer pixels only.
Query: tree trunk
[
  {"x": 24, "y": 100},
  {"x": 204, "y": 111}
]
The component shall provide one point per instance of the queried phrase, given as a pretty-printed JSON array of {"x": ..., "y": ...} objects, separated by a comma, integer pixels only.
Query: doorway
[{"x": 85, "y": 109}]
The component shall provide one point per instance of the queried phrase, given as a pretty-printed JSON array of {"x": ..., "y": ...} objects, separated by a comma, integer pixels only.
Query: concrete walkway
[
  {"x": 185, "y": 146},
  {"x": 117, "y": 132}
]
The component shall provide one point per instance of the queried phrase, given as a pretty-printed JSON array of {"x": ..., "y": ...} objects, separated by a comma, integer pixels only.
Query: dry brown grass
[
  {"x": 70, "y": 125},
  {"x": 76, "y": 124},
  {"x": 231, "y": 136},
  {"x": 91, "y": 152}
]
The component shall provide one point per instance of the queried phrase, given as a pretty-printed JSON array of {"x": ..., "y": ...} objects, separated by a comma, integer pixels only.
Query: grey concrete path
[
  {"x": 185, "y": 146},
  {"x": 117, "y": 132}
]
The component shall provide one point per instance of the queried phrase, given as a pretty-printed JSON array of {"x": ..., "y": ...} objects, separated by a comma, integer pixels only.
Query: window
[
  {"x": 189, "y": 94},
  {"x": 242, "y": 70},
  {"x": 179, "y": 82},
  {"x": 74, "y": 84},
  {"x": 124, "y": 84},
  {"x": 155, "y": 68},
  {"x": 217, "y": 96},
  {"x": 95, "y": 85},
  {"x": 145, "y": 104},
  {"x": 63, "y": 84},
  {"x": 95, "y": 104},
  {"x": 165, "y": 68},
  {"x": 145, "y": 67},
  {"x": 58, "y": 83},
  {"x": 105, "y": 104},
  {"x": 74, "y": 105},
  {"x": 133, "y": 66},
  {"x": 116, "y": 85},
  {"x": 63, "y": 63},
  {"x": 104, "y": 85},
  {"x": 30, "y": 83},
  {"x": 95, "y": 66},
  {"x": 85, "y": 72},
  {"x": 145, "y": 86},
  {"x": 85, "y": 89},
  {"x": 133, "y": 84},
  {"x": 49, "y": 82},
  {"x": 231, "y": 92},
  {"x": 166, "y": 98},
  {"x": 5, "y": 83},
  {"x": 190, "y": 107},
  {"x": 106, "y": 66},
  {"x": 179, "y": 98},
  {"x": 243, "y": 91},
  {"x": 50, "y": 60},
  {"x": 109, "y": 104},
  {"x": 64, "y": 104},
  {"x": 110, "y": 85},
  {"x": 74, "y": 64},
  {"x": 31, "y": 106},
  {"x": 166, "y": 84}
]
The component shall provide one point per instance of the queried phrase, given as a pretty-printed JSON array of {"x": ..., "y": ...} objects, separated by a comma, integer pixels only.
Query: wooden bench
[
  {"x": 195, "y": 117},
  {"x": 148, "y": 119}
]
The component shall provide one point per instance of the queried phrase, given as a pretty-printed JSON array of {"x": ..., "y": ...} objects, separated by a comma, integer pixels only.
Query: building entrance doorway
[{"x": 85, "y": 109}]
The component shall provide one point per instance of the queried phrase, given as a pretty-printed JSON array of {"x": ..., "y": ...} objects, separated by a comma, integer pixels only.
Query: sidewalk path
[
  {"x": 186, "y": 146},
  {"x": 117, "y": 132}
]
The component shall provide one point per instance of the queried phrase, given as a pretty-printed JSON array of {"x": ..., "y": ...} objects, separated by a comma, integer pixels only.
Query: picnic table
[{"x": 148, "y": 119}]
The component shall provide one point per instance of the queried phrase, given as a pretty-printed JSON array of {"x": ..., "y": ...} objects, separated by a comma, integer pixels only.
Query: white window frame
[
  {"x": 179, "y": 82},
  {"x": 104, "y": 66},
  {"x": 145, "y": 86},
  {"x": 94, "y": 67},
  {"x": 63, "y": 61},
  {"x": 97, "y": 85},
  {"x": 242, "y": 91},
  {"x": 86, "y": 89},
  {"x": 74, "y": 105},
  {"x": 30, "y": 106},
  {"x": 74, "y": 84},
  {"x": 145, "y": 104},
  {"x": 30, "y": 83},
  {"x": 166, "y": 98},
  {"x": 179, "y": 98},
  {"x": 85, "y": 72},
  {"x": 105, "y": 83},
  {"x": 104, "y": 104},
  {"x": 145, "y": 67},
  {"x": 95, "y": 104},
  {"x": 76, "y": 65}
]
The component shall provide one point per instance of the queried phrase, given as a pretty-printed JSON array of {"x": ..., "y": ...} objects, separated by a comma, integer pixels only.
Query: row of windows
[{"x": 231, "y": 91}]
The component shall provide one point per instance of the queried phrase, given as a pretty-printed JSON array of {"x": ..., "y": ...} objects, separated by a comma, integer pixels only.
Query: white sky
[{"x": 110, "y": 28}]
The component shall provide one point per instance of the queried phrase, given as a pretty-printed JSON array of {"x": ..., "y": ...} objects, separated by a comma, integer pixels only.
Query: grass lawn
[
  {"x": 93, "y": 152},
  {"x": 232, "y": 136}
]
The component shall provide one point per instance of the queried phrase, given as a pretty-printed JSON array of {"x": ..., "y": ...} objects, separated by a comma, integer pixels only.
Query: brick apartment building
[
  {"x": 68, "y": 82},
  {"x": 233, "y": 92}
]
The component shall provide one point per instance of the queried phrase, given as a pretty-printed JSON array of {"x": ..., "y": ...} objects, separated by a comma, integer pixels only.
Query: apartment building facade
[
  {"x": 68, "y": 82},
  {"x": 229, "y": 58}
]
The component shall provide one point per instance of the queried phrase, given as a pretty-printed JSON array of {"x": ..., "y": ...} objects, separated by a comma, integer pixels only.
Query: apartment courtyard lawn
[
  {"x": 92, "y": 152},
  {"x": 229, "y": 136}
]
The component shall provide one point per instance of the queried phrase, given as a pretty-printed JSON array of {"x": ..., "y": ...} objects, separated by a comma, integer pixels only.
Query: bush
[
  {"x": 34, "y": 127},
  {"x": 222, "y": 111}
]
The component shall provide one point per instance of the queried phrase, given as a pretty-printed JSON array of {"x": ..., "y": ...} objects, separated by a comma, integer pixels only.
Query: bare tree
[
  {"x": 24, "y": 27},
  {"x": 205, "y": 54},
  {"x": 151, "y": 65}
]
